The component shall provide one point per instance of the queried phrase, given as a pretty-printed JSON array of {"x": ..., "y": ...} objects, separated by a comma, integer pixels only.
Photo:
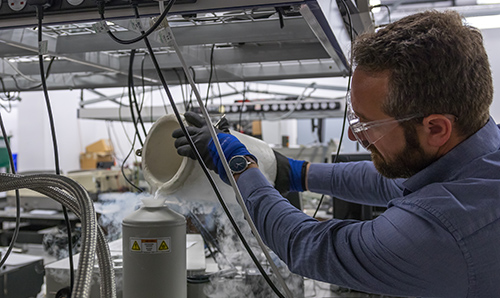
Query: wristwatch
[{"x": 239, "y": 163}]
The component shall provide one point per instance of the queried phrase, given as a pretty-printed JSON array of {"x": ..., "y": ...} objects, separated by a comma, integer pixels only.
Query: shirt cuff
[{"x": 319, "y": 176}]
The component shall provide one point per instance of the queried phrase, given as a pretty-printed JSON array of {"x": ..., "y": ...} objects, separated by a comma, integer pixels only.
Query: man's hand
[
  {"x": 291, "y": 174},
  {"x": 204, "y": 144}
]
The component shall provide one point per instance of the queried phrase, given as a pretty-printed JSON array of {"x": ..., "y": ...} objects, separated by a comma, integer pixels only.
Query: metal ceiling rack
[{"x": 252, "y": 40}]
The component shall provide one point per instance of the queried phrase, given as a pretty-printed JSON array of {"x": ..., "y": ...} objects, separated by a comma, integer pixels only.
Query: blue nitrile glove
[
  {"x": 291, "y": 174},
  {"x": 202, "y": 139}
]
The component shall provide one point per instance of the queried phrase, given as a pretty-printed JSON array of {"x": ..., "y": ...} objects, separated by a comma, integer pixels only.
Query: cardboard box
[
  {"x": 103, "y": 145},
  {"x": 89, "y": 160},
  {"x": 257, "y": 128}
]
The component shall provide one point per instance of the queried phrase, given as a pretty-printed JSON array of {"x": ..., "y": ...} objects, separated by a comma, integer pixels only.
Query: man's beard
[{"x": 411, "y": 160}]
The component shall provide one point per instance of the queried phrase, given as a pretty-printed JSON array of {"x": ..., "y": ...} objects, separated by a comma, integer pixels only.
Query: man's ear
[{"x": 438, "y": 129}]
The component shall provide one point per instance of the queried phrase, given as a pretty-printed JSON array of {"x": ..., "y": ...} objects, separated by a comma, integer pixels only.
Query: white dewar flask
[
  {"x": 170, "y": 174},
  {"x": 154, "y": 252}
]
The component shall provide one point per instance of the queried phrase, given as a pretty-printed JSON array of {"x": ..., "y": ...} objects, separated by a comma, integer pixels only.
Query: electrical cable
[
  {"x": 101, "y": 6},
  {"x": 18, "y": 203},
  {"x": 112, "y": 134},
  {"x": 20, "y": 72},
  {"x": 204, "y": 168},
  {"x": 132, "y": 144},
  {"x": 319, "y": 205},
  {"x": 242, "y": 105},
  {"x": 138, "y": 109},
  {"x": 386, "y": 7},
  {"x": 39, "y": 13},
  {"x": 8, "y": 98},
  {"x": 134, "y": 100},
  {"x": 210, "y": 74},
  {"x": 131, "y": 92},
  {"x": 133, "y": 103},
  {"x": 123, "y": 167},
  {"x": 190, "y": 102},
  {"x": 144, "y": 94},
  {"x": 280, "y": 12},
  {"x": 7, "y": 95},
  {"x": 47, "y": 74},
  {"x": 218, "y": 87},
  {"x": 163, "y": 102},
  {"x": 151, "y": 105}
]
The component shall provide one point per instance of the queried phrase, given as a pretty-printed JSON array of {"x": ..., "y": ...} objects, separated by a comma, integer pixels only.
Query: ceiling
[{"x": 233, "y": 40}]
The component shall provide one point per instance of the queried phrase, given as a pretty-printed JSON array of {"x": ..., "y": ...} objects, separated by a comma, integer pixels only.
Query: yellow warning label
[
  {"x": 150, "y": 245},
  {"x": 136, "y": 246},
  {"x": 163, "y": 246}
]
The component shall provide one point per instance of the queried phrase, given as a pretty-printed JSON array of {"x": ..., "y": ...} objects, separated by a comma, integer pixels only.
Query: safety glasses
[{"x": 369, "y": 133}]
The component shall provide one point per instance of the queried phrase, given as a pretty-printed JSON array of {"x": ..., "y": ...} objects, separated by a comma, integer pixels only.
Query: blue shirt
[{"x": 439, "y": 237}]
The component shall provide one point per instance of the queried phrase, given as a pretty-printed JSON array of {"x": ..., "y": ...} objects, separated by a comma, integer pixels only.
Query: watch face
[{"x": 238, "y": 164}]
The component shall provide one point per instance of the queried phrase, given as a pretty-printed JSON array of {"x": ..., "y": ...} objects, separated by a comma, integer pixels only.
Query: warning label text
[{"x": 149, "y": 245}]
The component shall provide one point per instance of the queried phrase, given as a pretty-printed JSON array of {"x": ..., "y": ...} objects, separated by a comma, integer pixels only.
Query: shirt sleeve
[
  {"x": 398, "y": 253},
  {"x": 356, "y": 182}
]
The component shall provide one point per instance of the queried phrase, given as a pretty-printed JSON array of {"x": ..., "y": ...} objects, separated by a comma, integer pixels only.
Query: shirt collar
[{"x": 484, "y": 141}]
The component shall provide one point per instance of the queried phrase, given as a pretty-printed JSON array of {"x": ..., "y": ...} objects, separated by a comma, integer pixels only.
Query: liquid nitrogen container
[
  {"x": 171, "y": 174},
  {"x": 154, "y": 252}
]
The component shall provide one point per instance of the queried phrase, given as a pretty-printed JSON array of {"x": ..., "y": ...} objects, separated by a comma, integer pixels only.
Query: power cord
[
  {"x": 132, "y": 144},
  {"x": 40, "y": 5},
  {"x": 132, "y": 98},
  {"x": 211, "y": 73}
]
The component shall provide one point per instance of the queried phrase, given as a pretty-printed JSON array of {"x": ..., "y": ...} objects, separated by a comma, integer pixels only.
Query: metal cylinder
[{"x": 154, "y": 252}]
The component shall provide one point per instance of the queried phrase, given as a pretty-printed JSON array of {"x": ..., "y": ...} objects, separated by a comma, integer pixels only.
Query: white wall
[
  {"x": 32, "y": 138},
  {"x": 273, "y": 131}
]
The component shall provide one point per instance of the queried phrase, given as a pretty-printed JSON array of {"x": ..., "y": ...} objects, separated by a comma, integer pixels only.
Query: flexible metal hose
[
  {"x": 107, "y": 274},
  {"x": 89, "y": 224}
]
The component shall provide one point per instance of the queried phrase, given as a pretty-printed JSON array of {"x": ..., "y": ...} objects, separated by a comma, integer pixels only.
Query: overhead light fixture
[{"x": 484, "y": 22}]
